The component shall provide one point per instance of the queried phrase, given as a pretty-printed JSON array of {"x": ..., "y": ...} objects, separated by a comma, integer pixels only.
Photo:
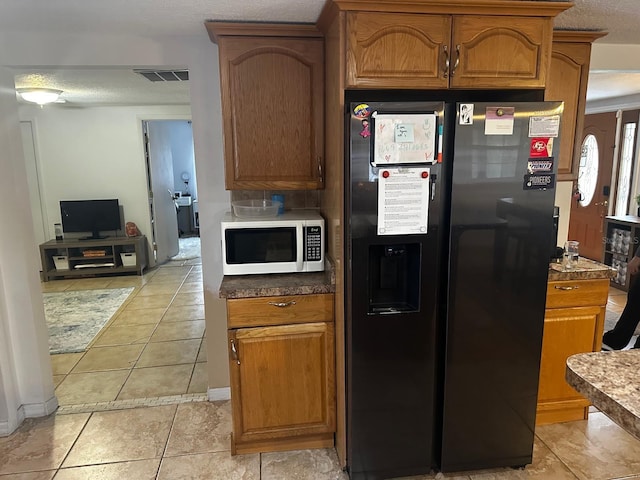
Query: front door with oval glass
[{"x": 590, "y": 203}]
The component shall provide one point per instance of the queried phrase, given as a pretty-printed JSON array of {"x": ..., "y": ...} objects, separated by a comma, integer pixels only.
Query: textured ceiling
[
  {"x": 114, "y": 86},
  {"x": 620, "y": 18}
]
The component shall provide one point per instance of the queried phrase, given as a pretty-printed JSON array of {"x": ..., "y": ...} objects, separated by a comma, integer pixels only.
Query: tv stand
[
  {"x": 75, "y": 258},
  {"x": 95, "y": 237}
]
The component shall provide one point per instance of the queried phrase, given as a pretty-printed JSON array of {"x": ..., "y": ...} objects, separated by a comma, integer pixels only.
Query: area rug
[
  {"x": 189, "y": 248},
  {"x": 75, "y": 317}
]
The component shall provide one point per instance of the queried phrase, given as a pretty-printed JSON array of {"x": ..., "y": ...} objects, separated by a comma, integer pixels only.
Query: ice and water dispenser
[{"x": 394, "y": 278}]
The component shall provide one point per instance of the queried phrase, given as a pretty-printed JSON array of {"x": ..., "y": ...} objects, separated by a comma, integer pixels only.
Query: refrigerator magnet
[
  {"x": 466, "y": 114},
  {"x": 538, "y": 181},
  {"x": 544, "y": 126},
  {"x": 365, "y": 132},
  {"x": 362, "y": 111},
  {"x": 499, "y": 121},
  {"x": 403, "y": 138},
  {"x": 540, "y": 165},
  {"x": 541, "y": 147},
  {"x": 403, "y": 200}
]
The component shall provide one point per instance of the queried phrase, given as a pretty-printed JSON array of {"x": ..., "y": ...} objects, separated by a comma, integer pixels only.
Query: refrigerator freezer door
[
  {"x": 501, "y": 220},
  {"x": 391, "y": 288}
]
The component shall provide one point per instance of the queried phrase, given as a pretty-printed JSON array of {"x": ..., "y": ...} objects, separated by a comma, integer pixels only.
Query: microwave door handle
[{"x": 300, "y": 251}]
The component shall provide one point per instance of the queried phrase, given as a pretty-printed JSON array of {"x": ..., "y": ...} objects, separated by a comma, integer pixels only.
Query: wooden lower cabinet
[
  {"x": 574, "y": 322},
  {"x": 282, "y": 386}
]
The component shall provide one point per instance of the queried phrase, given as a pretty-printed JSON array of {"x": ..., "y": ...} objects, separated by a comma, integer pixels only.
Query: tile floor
[
  {"x": 617, "y": 300},
  {"x": 191, "y": 440},
  {"x": 152, "y": 347}
]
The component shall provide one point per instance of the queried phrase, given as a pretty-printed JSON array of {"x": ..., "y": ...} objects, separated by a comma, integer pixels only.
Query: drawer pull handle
[
  {"x": 566, "y": 287},
  {"x": 282, "y": 304},
  {"x": 234, "y": 352}
]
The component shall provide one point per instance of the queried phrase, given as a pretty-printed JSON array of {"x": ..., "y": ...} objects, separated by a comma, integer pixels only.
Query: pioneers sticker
[{"x": 537, "y": 181}]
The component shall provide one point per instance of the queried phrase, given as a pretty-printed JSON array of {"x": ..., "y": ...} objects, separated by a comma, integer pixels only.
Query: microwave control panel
[{"x": 313, "y": 244}]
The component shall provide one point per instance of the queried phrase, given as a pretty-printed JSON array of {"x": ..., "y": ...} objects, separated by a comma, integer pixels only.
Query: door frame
[
  {"x": 581, "y": 224},
  {"x": 141, "y": 119},
  {"x": 622, "y": 117}
]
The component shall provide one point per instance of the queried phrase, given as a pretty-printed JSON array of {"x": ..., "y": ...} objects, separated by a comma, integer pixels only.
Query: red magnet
[
  {"x": 385, "y": 174},
  {"x": 425, "y": 174}
]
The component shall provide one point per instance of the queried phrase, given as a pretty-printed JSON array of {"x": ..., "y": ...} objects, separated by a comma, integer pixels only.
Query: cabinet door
[
  {"x": 566, "y": 75},
  {"x": 273, "y": 112},
  {"x": 567, "y": 331},
  {"x": 500, "y": 51},
  {"x": 282, "y": 381},
  {"x": 389, "y": 50},
  {"x": 567, "y": 81}
]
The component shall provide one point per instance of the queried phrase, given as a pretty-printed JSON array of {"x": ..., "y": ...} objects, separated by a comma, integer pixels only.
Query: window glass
[
  {"x": 624, "y": 177},
  {"x": 588, "y": 171}
]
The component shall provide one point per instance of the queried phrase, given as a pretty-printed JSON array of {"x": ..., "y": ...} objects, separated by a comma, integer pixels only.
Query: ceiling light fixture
[{"x": 41, "y": 96}]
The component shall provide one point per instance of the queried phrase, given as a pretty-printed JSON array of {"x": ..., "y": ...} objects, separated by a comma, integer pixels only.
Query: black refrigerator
[{"x": 449, "y": 214}]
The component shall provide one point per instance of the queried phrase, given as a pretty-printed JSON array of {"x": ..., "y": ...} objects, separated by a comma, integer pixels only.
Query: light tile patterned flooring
[
  {"x": 153, "y": 347},
  {"x": 617, "y": 300},
  {"x": 190, "y": 439}
]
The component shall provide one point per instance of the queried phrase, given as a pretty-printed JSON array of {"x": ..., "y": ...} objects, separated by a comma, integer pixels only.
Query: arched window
[{"x": 588, "y": 170}]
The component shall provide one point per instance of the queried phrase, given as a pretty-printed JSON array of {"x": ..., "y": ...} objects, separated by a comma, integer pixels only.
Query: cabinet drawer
[
  {"x": 263, "y": 311},
  {"x": 577, "y": 293}
]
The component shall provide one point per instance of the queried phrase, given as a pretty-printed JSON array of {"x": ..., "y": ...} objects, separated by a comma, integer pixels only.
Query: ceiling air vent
[{"x": 164, "y": 75}]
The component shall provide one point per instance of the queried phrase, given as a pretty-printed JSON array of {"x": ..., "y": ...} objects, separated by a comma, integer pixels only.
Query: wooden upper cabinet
[
  {"x": 398, "y": 50},
  {"x": 438, "y": 44},
  {"x": 272, "y": 88},
  {"x": 568, "y": 77},
  {"x": 392, "y": 50},
  {"x": 499, "y": 51}
]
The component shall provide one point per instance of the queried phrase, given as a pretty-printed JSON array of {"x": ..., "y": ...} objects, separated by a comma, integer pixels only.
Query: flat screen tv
[{"x": 95, "y": 216}]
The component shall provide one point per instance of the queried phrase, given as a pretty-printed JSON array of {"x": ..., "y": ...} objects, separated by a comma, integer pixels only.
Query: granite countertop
[
  {"x": 587, "y": 270},
  {"x": 278, "y": 284},
  {"x": 610, "y": 381}
]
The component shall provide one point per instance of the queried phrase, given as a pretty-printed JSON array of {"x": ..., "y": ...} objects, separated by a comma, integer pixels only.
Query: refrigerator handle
[
  {"x": 433, "y": 187},
  {"x": 445, "y": 51}
]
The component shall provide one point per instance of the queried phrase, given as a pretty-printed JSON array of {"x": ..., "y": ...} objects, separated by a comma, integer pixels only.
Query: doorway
[
  {"x": 173, "y": 197},
  {"x": 157, "y": 338}
]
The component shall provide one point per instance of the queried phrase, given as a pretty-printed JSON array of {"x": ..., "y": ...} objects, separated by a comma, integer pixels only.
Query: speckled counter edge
[
  {"x": 610, "y": 381},
  {"x": 275, "y": 284},
  {"x": 587, "y": 270}
]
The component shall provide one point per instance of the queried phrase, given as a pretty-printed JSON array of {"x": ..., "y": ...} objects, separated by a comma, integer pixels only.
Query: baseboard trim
[
  {"x": 7, "y": 428},
  {"x": 215, "y": 394},
  {"x": 40, "y": 409}
]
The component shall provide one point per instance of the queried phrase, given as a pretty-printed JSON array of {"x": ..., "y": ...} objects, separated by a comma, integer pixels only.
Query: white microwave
[{"x": 289, "y": 243}]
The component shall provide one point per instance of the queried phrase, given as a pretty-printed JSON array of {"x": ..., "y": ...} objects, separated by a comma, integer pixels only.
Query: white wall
[
  {"x": 87, "y": 153},
  {"x": 36, "y": 48},
  {"x": 26, "y": 383},
  {"x": 563, "y": 200}
]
